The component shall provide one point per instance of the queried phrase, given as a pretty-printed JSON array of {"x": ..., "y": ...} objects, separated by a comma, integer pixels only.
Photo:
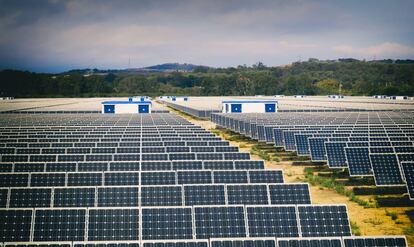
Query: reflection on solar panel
[
  {"x": 314, "y": 242},
  {"x": 358, "y": 161},
  {"x": 204, "y": 195},
  {"x": 247, "y": 194},
  {"x": 113, "y": 224},
  {"x": 386, "y": 169},
  {"x": 289, "y": 194},
  {"x": 15, "y": 225},
  {"x": 161, "y": 196},
  {"x": 59, "y": 225},
  {"x": 248, "y": 242},
  {"x": 216, "y": 222},
  {"x": 167, "y": 223},
  {"x": 397, "y": 241},
  {"x": 408, "y": 171},
  {"x": 274, "y": 221},
  {"x": 324, "y": 221},
  {"x": 335, "y": 154}
]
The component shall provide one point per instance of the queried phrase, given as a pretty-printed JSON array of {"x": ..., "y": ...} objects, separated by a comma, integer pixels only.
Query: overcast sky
[{"x": 55, "y": 35}]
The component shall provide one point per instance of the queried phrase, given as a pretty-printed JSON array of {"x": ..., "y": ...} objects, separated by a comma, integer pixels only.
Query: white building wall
[{"x": 249, "y": 107}]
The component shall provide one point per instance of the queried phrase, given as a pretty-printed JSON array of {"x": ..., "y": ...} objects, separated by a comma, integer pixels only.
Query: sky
[{"x": 57, "y": 35}]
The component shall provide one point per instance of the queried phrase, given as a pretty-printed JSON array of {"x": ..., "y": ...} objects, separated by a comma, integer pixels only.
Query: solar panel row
[
  {"x": 35, "y": 179},
  {"x": 168, "y": 195},
  {"x": 203, "y": 222}
]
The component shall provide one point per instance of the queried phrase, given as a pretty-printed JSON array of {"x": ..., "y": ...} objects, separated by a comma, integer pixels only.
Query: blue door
[
  {"x": 143, "y": 109},
  {"x": 236, "y": 108},
  {"x": 270, "y": 107},
  {"x": 109, "y": 108}
]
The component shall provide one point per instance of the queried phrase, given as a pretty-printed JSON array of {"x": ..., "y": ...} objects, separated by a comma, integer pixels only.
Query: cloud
[{"x": 383, "y": 50}]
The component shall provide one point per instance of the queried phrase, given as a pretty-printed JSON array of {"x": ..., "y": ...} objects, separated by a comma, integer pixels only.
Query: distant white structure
[
  {"x": 336, "y": 96},
  {"x": 399, "y": 97},
  {"x": 121, "y": 107},
  {"x": 7, "y": 98},
  {"x": 279, "y": 95},
  {"x": 139, "y": 98},
  {"x": 181, "y": 98},
  {"x": 299, "y": 96},
  {"x": 249, "y": 106},
  {"x": 379, "y": 96}
]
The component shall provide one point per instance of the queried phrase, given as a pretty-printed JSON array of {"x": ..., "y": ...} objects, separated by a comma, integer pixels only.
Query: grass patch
[
  {"x": 374, "y": 221},
  {"x": 355, "y": 228},
  {"x": 393, "y": 215},
  {"x": 330, "y": 183},
  {"x": 259, "y": 152}
]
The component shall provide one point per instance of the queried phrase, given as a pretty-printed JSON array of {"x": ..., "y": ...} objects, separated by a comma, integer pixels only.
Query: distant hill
[{"x": 167, "y": 67}]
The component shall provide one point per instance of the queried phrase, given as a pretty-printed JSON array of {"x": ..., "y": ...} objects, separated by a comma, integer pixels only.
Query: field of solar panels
[{"x": 71, "y": 176}]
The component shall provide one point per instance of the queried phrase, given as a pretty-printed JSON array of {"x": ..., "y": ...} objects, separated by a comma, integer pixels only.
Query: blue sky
[{"x": 55, "y": 35}]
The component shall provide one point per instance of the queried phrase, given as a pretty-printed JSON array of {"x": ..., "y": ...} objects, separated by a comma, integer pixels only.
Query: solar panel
[
  {"x": 236, "y": 156},
  {"x": 6, "y": 167},
  {"x": 194, "y": 177},
  {"x": 265, "y": 176},
  {"x": 248, "y": 164},
  {"x": 408, "y": 171},
  {"x": 253, "y": 194},
  {"x": 156, "y": 165},
  {"x": 317, "y": 148},
  {"x": 358, "y": 161},
  {"x": 323, "y": 221},
  {"x": 335, "y": 153},
  {"x": 14, "y": 180},
  {"x": 30, "y": 198},
  {"x": 29, "y": 167},
  {"x": 41, "y": 244},
  {"x": 204, "y": 195},
  {"x": 3, "y": 197},
  {"x": 272, "y": 221},
  {"x": 84, "y": 179},
  {"x": 187, "y": 165},
  {"x": 240, "y": 242},
  {"x": 305, "y": 242},
  {"x": 167, "y": 223},
  {"x": 113, "y": 224},
  {"x": 215, "y": 222},
  {"x": 60, "y": 167},
  {"x": 92, "y": 166},
  {"x": 176, "y": 243},
  {"x": 15, "y": 225},
  {"x": 386, "y": 169},
  {"x": 59, "y": 225},
  {"x": 381, "y": 150},
  {"x": 230, "y": 176},
  {"x": 406, "y": 157},
  {"x": 47, "y": 179},
  {"x": 121, "y": 178},
  {"x": 157, "y": 178},
  {"x": 124, "y": 166},
  {"x": 218, "y": 165},
  {"x": 161, "y": 195},
  {"x": 289, "y": 194},
  {"x": 118, "y": 196},
  {"x": 302, "y": 144},
  {"x": 74, "y": 197},
  {"x": 377, "y": 241},
  {"x": 106, "y": 244}
]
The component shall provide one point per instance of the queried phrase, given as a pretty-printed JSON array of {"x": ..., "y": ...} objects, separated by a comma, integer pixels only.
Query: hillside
[{"x": 311, "y": 77}]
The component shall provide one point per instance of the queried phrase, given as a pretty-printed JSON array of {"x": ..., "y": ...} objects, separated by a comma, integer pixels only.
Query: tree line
[{"x": 312, "y": 77}]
